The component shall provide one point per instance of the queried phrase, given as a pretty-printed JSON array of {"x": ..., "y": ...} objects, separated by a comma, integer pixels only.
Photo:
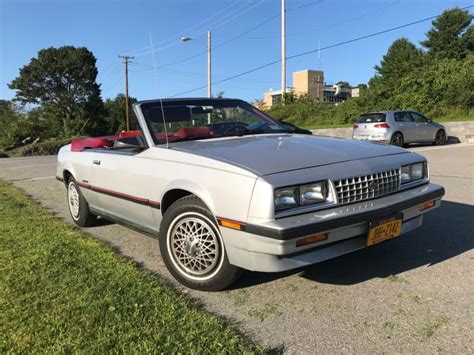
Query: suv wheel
[{"x": 192, "y": 247}]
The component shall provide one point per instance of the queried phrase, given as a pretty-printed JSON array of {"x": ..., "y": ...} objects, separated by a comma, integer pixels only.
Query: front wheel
[
  {"x": 192, "y": 248},
  {"x": 397, "y": 139}
]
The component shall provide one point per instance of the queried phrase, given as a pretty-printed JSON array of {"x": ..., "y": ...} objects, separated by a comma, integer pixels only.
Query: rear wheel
[
  {"x": 78, "y": 206},
  {"x": 192, "y": 247},
  {"x": 397, "y": 139},
  {"x": 440, "y": 138}
]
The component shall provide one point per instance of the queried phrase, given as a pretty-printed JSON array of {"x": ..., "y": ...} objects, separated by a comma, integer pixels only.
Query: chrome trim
[{"x": 366, "y": 187}]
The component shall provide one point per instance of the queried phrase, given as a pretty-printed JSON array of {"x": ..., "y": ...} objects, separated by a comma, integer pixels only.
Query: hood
[{"x": 269, "y": 154}]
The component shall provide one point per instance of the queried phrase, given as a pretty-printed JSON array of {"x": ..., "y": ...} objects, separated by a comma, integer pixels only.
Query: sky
[{"x": 110, "y": 28}]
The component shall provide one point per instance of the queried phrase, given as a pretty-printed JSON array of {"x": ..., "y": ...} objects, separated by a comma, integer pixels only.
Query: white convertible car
[{"x": 224, "y": 187}]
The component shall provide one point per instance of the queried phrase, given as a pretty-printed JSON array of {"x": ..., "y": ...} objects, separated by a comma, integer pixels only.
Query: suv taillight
[
  {"x": 355, "y": 126},
  {"x": 381, "y": 125}
]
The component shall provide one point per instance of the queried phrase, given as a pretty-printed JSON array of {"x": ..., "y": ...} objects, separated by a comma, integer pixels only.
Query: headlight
[
  {"x": 286, "y": 198},
  {"x": 293, "y": 196},
  {"x": 313, "y": 193},
  {"x": 414, "y": 172}
]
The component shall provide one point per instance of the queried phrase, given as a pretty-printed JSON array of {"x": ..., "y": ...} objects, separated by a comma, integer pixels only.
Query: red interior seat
[
  {"x": 78, "y": 145},
  {"x": 129, "y": 134},
  {"x": 188, "y": 132}
]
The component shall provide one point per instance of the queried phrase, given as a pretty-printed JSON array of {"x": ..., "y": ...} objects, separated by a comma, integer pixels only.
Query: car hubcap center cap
[{"x": 192, "y": 247}]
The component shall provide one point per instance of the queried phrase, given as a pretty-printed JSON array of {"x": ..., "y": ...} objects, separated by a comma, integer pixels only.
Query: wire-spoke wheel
[
  {"x": 73, "y": 200},
  {"x": 78, "y": 206},
  {"x": 192, "y": 247},
  {"x": 397, "y": 139},
  {"x": 440, "y": 138}
]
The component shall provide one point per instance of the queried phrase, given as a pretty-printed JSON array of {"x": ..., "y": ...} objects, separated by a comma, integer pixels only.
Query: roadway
[{"x": 414, "y": 294}]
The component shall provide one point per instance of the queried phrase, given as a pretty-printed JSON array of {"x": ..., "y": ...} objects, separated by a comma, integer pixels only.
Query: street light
[{"x": 186, "y": 39}]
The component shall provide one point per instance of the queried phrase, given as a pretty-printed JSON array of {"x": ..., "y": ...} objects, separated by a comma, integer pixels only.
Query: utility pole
[
  {"x": 283, "y": 51},
  {"x": 126, "y": 60},
  {"x": 209, "y": 89}
]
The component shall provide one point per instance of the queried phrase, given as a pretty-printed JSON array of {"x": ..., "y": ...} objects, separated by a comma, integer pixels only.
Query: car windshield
[
  {"x": 203, "y": 119},
  {"x": 371, "y": 118}
]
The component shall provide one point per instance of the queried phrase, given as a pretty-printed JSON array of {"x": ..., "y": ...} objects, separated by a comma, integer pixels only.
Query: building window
[{"x": 276, "y": 99}]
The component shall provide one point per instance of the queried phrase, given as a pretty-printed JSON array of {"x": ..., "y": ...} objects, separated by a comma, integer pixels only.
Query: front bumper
[{"x": 270, "y": 246}]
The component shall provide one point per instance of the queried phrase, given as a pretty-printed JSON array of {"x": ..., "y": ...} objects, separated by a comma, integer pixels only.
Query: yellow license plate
[{"x": 384, "y": 230}]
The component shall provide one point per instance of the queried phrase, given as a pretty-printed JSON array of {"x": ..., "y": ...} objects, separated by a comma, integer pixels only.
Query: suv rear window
[{"x": 371, "y": 118}]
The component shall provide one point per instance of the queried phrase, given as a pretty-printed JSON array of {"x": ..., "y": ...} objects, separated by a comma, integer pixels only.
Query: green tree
[
  {"x": 115, "y": 114},
  {"x": 452, "y": 35},
  {"x": 344, "y": 83},
  {"x": 62, "y": 81},
  {"x": 401, "y": 59}
]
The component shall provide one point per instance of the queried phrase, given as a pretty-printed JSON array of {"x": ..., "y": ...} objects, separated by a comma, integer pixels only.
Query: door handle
[{"x": 96, "y": 162}]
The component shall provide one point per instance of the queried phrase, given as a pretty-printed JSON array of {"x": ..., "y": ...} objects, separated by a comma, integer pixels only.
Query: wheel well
[
  {"x": 66, "y": 175},
  {"x": 171, "y": 197}
]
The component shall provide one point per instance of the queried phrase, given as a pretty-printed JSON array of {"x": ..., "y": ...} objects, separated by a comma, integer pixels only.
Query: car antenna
[{"x": 158, "y": 86}]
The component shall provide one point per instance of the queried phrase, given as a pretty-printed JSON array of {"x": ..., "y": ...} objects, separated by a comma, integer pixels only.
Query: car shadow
[
  {"x": 450, "y": 140},
  {"x": 446, "y": 232}
]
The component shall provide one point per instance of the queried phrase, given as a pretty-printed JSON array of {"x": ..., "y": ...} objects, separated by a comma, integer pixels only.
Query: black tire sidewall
[
  {"x": 224, "y": 275},
  {"x": 436, "y": 137},
  {"x": 392, "y": 141}
]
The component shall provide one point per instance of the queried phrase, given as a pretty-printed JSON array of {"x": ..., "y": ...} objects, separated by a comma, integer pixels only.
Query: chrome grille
[{"x": 365, "y": 187}]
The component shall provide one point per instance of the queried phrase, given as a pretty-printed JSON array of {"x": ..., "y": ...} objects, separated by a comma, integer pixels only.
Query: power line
[
  {"x": 318, "y": 49},
  {"x": 232, "y": 15},
  {"x": 239, "y": 35}
]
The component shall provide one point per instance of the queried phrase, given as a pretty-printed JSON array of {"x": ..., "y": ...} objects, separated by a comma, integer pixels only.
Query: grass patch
[
  {"x": 63, "y": 291},
  {"x": 395, "y": 278},
  {"x": 456, "y": 117},
  {"x": 267, "y": 310},
  {"x": 432, "y": 325}
]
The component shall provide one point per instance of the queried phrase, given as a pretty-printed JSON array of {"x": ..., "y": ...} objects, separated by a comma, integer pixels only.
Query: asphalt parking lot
[{"x": 414, "y": 294}]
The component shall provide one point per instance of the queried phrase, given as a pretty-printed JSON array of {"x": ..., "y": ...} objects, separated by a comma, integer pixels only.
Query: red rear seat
[
  {"x": 188, "y": 132},
  {"x": 78, "y": 145},
  {"x": 129, "y": 134}
]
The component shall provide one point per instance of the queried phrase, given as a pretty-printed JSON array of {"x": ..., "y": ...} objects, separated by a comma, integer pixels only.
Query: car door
[
  {"x": 422, "y": 128},
  {"x": 404, "y": 123},
  {"x": 123, "y": 187}
]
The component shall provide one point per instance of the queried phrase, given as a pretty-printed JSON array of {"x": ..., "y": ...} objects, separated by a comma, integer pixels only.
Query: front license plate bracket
[{"x": 384, "y": 229}]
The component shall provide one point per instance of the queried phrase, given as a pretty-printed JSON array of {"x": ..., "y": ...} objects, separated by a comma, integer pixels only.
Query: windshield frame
[{"x": 144, "y": 106}]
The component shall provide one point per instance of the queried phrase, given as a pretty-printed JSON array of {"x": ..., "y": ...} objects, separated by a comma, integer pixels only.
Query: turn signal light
[
  {"x": 381, "y": 125},
  {"x": 230, "y": 224},
  {"x": 312, "y": 239},
  {"x": 427, "y": 205}
]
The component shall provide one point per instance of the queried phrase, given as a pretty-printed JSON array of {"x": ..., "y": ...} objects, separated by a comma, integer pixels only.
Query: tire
[
  {"x": 183, "y": 254},
  {"x": 78, "y": 206},
  {"x": 440, "y": 137},
  {"x": 397, "y": 139}
]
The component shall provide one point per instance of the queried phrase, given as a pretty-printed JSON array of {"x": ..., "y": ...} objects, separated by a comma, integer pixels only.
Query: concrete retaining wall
[{"x": 463, "y": 131}]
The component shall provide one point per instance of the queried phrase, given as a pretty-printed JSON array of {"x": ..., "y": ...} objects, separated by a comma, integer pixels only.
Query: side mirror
[{"x": 430, "y": 120}]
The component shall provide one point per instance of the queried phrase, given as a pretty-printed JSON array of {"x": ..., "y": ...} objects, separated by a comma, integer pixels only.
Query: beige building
[{"x": 311, "y": 83}]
